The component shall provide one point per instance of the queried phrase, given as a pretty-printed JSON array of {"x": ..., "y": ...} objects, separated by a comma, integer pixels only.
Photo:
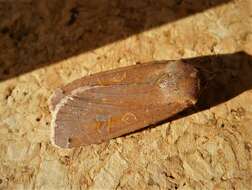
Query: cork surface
[{"x": 47, "y": 44}]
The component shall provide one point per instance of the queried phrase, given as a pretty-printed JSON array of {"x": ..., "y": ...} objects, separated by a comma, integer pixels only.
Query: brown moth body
[{"x": 109, "y": 104}]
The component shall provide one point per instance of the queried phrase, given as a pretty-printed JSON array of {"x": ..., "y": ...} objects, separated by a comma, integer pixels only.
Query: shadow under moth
[{"x": 105, "y": 105}]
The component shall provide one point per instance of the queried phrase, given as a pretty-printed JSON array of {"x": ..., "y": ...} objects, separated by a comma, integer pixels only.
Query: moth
[{"x": 105, "y": 105}]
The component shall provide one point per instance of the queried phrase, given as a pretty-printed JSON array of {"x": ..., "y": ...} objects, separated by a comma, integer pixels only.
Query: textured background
[{"x": 46, "y": 44}]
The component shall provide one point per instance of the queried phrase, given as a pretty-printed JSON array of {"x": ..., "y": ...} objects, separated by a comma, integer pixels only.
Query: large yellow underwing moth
[{"x": 109, "y": 104}]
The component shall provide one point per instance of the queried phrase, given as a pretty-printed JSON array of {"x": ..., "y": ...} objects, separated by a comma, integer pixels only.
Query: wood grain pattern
[{"x": 109, "y": 104}]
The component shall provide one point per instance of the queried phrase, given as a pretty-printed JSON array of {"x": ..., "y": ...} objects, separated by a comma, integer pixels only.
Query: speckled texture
[{"x": 46, "y": 44}]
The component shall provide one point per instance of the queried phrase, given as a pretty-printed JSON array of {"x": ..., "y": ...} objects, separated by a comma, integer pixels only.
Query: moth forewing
[{"x": 113, "y": 103}]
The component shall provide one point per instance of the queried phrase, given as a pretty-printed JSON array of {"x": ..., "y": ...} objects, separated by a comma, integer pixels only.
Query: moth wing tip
[
  {"x": 54, "y": 142},
  {"x": 55, "y": 98}
]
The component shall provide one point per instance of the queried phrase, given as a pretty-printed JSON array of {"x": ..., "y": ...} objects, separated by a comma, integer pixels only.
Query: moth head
[{"x": 181, "y": 80}]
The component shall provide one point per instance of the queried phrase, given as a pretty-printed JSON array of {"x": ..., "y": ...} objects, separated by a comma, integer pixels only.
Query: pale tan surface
[{"x": 210, "y": 149}]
